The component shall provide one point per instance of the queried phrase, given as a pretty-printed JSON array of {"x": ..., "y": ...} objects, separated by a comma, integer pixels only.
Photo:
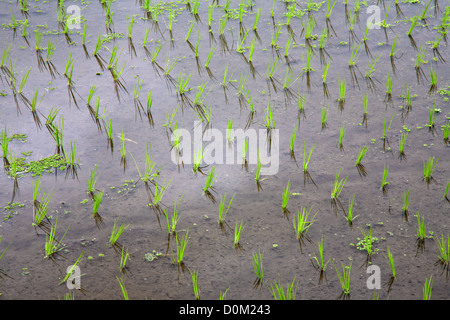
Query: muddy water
[{"x": 265, "y": 228}]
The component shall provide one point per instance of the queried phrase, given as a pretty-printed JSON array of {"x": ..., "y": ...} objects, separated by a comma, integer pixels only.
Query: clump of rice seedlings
[
  {"x": 4, "y": 141},
  {"x": 386, "y": 129},
  {"x": 393, "y": 52},
  {"x": 433, "y": 80},
  {"x": 209, "y": 188},
  {"x": 194, "y": 276},
  {"x": 123, "y": 260},
  {"x": 118, "y": 84},
  {"x": 158, "y": 194},
  {"x": 14, "y": 170},
  {"x": 336, "y": 189},
  {"x": 390, "y": 260},
  {"x": 443, "y": 254},
  {"x": 92, "y": 180},
  {"x": 92, "y": 90},
  {"x": 123, "y": 151},
  {"x": 223, "y": 295},
  {"x": 435, "y": 46},
  {"x": 22, "y": 85},
  {"x": 447, "y": 188},
  {"x": 389, "y": 84},
  {"x": 340, "y": 142},
  {"x": 116, "y": 232},
  {"x": 149, "y": 108},
  {"x": 5, "y": 57},
  {"x": 70, "y": 273},
  {"x": 446, "y": 135},
  {"x": 275, "y": 36},
  {"x": 427, "y": 287},
  {"x": 365, "y": 39},
  {"x": 279, "y": 293},
  {"x": 351, "y": 28},
  {"x": 97, "y": 200},
  {"x": 237, "y": 236},
  {"x": 344, "y": 280},
  {"x": 137, "y": 103},
  {"x": 361, "y": 169},
  {"x": 223, "y": 213},
  {"x": 322, "y": 42},
  {"x": 109, "y": 133},
  {"x": 3, "y": 272},
  {"x": 401, "y": 147},
  {"x": 428, "y": 169},
  {"x": 258, "y": 174},
  {"x": 181, "y": 250},
  {"x": 421, "y": 232},
  {"x": 286, "y": 196},
  {"x": 301, "y": 99},
  {"x": 342, "y": 89},
  {"x": 410, "y": 30},
  {"x": 258, "y": 269},
  {"x": 432, "y": 118},
  {"x": 183, "y": 86},
  {"x": 354, "y": 56},
  {"x": 270, "y": 118},
  {"x": 330, "y": 6},
  {"x": 130, "y": 24},
  {"x": 34, "y": 105},
  {"x": 319, "y": 262},
  {"x": 123, "y": 289},
  {"x": 306, "y": 159},
  {"x": 302, "y": 224},
  {"x": 384, "y": 182},
  {"x": 292, "y": 143},
  {"x": 208, "y": 60},
  {"x": 200, "y": 96},
  {"x": 198, "y": 159},
  {"x": 420, "y": 59},
  {"x": 408, "y": 98},
  {"x": 370, "y": 71},
  {"x": 350, "y": 217},
  {"x": 52, "y": 245},
  {"x": 405, "y": 204},
  {"x": 98, "y": 45},
  {"x": 365, "y": 103},
  {"x": 367, "y": 244},
  {"x": 324, "y": 117},
  {"x": 272, "y": 67},
  {"x": 309, "y": 30},
  {"x": 40, "y": 207},
  {"x": 72, "y": 162}
]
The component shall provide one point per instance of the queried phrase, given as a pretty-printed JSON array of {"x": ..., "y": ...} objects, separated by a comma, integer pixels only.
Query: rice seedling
[
  {"x": 408, "y": 97},
  {"x": 208, "y": 59},
  {"x": 237, "y": 236},
  {"x": 306, "y": 159},
  {"x": 242, "y": 80},
  {"x": 4, "y": 141},
  {"x": 390, "y": 260},
  {"x": 301, "y": 99},
  {"x": 447, "y": 188},
  {"x": 420, "y": 59},
  {"x": 384, "y": 182},
  {"x": 341, "y": 137},
  {"x": 309, "y": 57},
  {"x": 389, "y": 84},
  {"x": 181, "y": 250},
  {"x": 137, "y": 103},
  {"x": 251, "y": 51},
  {"x": 405, "y": 198},
  {"x": 223, "y": 294},
  {"x": 92, "y": 180},
  {"x": 258, "y": 269},
  {"x": 342, "y": 89},
  {"x": 158, "y": 194},
  {"x": 71, "y": 273},
  {"x": 354, "y": 56},
  {"x": 370, "y": 71},
  {"x": 209, "y": 188},
  {"x": 324, "y": 117},
  {"x": 322, "y": 42},
  {"x": 275, "y": 36},
  {"x": 123, "y": 289},
  {"x": 361, "y": 169},
  {"x": 421, "y": 232},
  {"x": 330, "y": 7},
  {"x": 116, "y": 233},
  {"x": 34, "y": 105},
  {"x": 183, "y": 84},
  {"x": 410, "y": 30},
  {"x": 72, "y": 162},
  {"x": 336, "y": 189},
  {"x": 309, "y": 29},
  {"x": 365, "y": 104},
  {"x": 198, "y": 159},
  {"x": 401, "y": 147},
  {"x": 292, "y": 143},
  {"x": 350, "y": 217},
  {"x": 288, "y": 82},
  {"x": 52, "y": 245},
  {"x": 436, "y": 44},
  {"x": 272, "y": 67},
  {"x": 13, "y": 171},
  {"x": 427, "y": 288},
  {"x": 428, "y": 169},
  {"x": 344, "y": 280},
  {"x": 22, "y": 85},
  {"x": 3, "y": 272},
  {"x": 255, "y": 22},
  {"x": 366, "y": 243},
  {"x": 109, "y": 133},
  {"x": 286, "y": 196},
  {"x": 302, "y": 224},
  {"x": 446, "y": 134},
  {"x": 194, "y": 277},
  {"x": 97, "y": 200},
  {"x": 222, "y": 213},
  {"x": 432, "y": 118},
  {"x": 443, "y": 254},
  {"x": 386, "y": 129},
  {"x": 279, "y": 293},
  {"x": 124, "y": 257},
  {"x": 258, "y": 173},
  {"x": 40, "y": 207},
  {"x": 270, "y": 118},
  {"x": 319, "y": 262},
  {"x": 433, "y": 80}
]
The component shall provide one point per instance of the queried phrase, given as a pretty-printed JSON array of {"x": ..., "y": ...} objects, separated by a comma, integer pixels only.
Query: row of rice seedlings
[
  {"x": 279, "y": 293},
  {"x": 257, "y": 263},
  {"x": 208, "y": 188},
  {"x": 302, "y": 224},
  {"x": 319, "y": 262},
  {"x": 52, "y": 245},
  {"x": 428, "y": 169},
  {"x": 116, "y": 233}
]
